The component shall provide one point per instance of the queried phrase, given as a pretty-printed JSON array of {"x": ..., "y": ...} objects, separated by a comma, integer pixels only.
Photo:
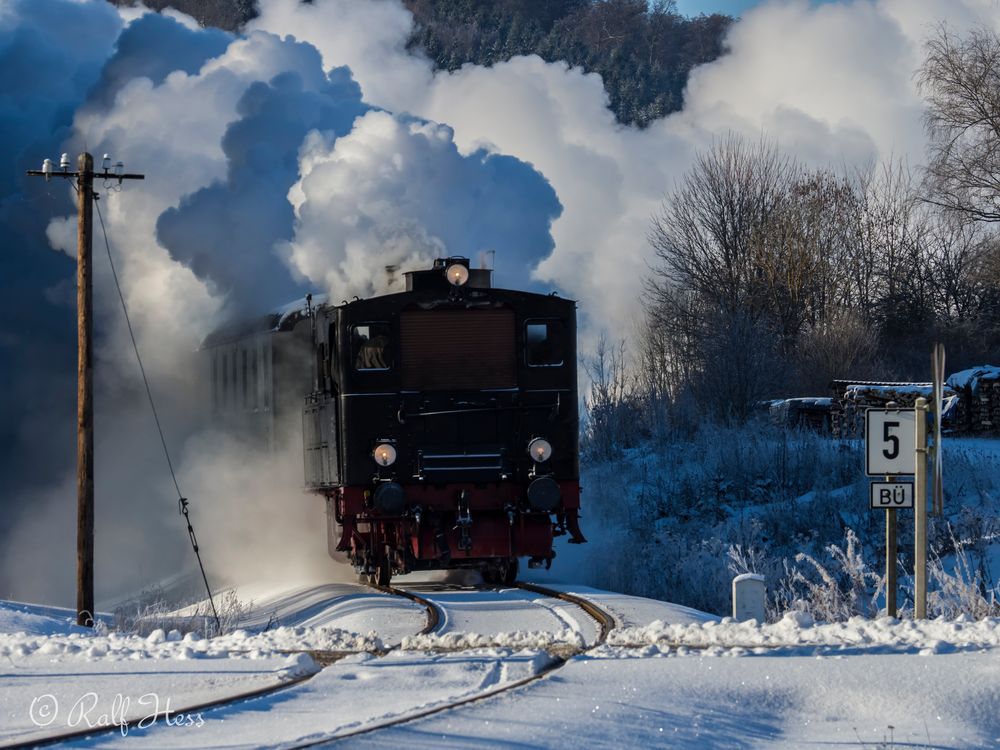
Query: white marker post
[{"x": 749, "y": 593}]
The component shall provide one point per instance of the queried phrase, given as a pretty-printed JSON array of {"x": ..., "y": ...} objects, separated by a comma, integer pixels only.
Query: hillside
[{"x": 643, "y": 52}]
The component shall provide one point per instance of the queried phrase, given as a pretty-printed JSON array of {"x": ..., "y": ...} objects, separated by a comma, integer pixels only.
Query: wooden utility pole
[
  {"x": 85, "y": 364},
  {"x": 85, "y": 393}
]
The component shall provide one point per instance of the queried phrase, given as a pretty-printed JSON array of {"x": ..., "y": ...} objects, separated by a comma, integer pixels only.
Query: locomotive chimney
[{"x": 390, "y": 277}]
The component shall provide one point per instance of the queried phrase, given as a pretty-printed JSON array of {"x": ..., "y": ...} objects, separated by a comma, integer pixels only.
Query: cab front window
[
  {"x": 545, "y": 343},
  {"x": 371, "y": 346}
]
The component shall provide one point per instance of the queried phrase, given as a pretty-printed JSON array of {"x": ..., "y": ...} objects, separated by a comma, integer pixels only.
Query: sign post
[
  {"x": 891, "y": 495},
  {"x": 890, "y": 451},
  {"x": 891, "y": 551},
  {"x": 920, "y": 512},
  {"x": 937, "y": 378}
]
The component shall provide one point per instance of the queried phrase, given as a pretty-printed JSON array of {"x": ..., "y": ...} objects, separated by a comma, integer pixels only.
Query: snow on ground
[
  {"x": 346, "y": 606},
  {"x": 46, "y": 695},
  {"x": 361, "y": 690},
  {"x": 797, "y": 630},
  {"x": 506, "y": 610},
  {"x": 668, "y": 677},
  {"x": 37, "y": 619},
  {"x": 517, "y": 639},
  {"x": 635, "y": 611},
  {"x": 630, "y": 699}
]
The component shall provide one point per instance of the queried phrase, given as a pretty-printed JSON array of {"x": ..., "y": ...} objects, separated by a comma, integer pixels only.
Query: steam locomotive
[{"x": 440, "y": 423}]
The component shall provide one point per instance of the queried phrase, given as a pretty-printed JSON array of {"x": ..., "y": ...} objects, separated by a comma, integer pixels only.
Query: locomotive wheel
[
  {"x": 509, "y": 572},
  {"x": 382, "y": 573}
]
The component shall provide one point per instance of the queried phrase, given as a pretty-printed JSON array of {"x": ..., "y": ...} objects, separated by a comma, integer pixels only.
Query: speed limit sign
[{"x": 890, "y": 442}]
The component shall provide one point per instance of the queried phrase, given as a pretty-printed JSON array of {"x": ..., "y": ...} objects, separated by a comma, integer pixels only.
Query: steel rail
[
  {"x": 323, "y": 658},
  {"x": 152, "y": 719},
  {"x": 605, "y": 621},
  {"x": 433, "y": 614}
]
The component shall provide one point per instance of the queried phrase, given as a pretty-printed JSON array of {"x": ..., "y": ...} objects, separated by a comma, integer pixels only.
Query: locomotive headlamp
[
  {"x": 457, "y": 274},
  {"x": 540, "y": 450},
  {"x": 384, "y": 454}
]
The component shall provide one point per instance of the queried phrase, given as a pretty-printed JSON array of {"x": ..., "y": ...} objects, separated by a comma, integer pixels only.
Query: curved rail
[
  {"x": 323, "y": 658},
  {"x": 605, "y": 621},
  {"x": 156, "y": 718},
  {"x": 433, "y": 614}
]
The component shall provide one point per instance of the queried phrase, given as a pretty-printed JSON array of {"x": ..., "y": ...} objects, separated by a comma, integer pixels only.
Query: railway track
[
  {"x": 323, "y": 658},
  {"x": 605, "y": 622}
]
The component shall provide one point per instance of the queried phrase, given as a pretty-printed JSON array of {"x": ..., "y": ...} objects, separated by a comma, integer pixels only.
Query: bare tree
[
  {"x": 706, "y": 234},
  {"x": 842, "y": 344},
  {"x": 612, "y": 403},
  {"x": 960, "y": 79}
]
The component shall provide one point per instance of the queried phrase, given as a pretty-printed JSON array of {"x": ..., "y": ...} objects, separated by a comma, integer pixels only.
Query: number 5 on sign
[{"x": 890, "y": 442}]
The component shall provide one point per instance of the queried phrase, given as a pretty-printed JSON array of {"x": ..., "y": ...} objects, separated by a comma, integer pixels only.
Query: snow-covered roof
[
  {"x": 279, "y": 319},
  {"x": 973, "y": 376}
]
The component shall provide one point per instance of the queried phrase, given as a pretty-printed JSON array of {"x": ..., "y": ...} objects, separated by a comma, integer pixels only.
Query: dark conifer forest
[{"x": 643, "y": 51}]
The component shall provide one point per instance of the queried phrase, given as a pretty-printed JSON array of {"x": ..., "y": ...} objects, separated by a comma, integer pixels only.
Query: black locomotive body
[
  {"x": 440, "y": 423},
  {"x": 443, "y": 426}
]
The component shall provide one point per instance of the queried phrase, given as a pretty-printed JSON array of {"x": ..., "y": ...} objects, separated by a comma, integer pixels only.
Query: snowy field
[{"x": 668, "y": 676}]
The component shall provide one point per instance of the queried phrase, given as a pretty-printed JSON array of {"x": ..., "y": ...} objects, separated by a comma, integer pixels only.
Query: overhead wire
[{"x": 182, "y": 502}]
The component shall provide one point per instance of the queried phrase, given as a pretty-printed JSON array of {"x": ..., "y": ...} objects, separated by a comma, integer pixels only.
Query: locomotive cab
[{"x": 442, "y": 428}]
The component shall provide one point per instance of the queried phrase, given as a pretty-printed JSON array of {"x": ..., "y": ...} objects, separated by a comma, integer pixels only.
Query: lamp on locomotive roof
[{"x": 457, "y": 274}]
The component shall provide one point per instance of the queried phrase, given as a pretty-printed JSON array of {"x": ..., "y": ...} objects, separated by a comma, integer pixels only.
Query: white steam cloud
[
  {"x": 314, "y": 150},
  {"x": 396, "y": 191}
]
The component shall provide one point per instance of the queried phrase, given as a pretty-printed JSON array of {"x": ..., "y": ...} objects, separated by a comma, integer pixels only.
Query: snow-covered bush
[
  {"x": 965, "y": 589},
  {"x": 145, "y": 617},
  {"x": 674, "y": 513},
  {"x": 841, "y": 587}
]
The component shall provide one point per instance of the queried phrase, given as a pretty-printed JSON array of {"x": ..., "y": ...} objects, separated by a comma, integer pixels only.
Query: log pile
[
  {"x": 853, "y": 398},
  {"x": 811, "y": 413},
  {"x": 979, "y": 399}
]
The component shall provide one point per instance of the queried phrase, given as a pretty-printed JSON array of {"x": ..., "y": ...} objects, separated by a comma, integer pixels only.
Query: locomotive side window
[
  {"x": 253, "y": 377},
  {"x": 544, "y": 343},
  {"x": 225, "y": 381},
  {"x": 371, "y": 346},
  {"x": 215, "y": 381},
  {"x": 246, "y": 379},
  {"x": 334, "y": 352}
]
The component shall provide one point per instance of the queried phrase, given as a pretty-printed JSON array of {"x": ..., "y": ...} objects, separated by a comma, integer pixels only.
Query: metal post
[
  {"x": 937, "y": 376},
  {"x": 891, "y": 548},
  {"x": 85, "y": 395},
  {"x": 920, "y": 513}
]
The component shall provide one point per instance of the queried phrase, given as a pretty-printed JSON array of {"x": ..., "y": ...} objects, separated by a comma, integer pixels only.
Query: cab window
[
  {"x": 545, "y": 343},
  {"x": 371, "y": 346}
]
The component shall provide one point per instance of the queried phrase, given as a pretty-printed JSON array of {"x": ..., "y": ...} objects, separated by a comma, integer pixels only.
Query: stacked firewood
[
  {"x": 811, "y": 413},
  {"x": 853, "y": 398},
  {"x": 979, "y": 391}
]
